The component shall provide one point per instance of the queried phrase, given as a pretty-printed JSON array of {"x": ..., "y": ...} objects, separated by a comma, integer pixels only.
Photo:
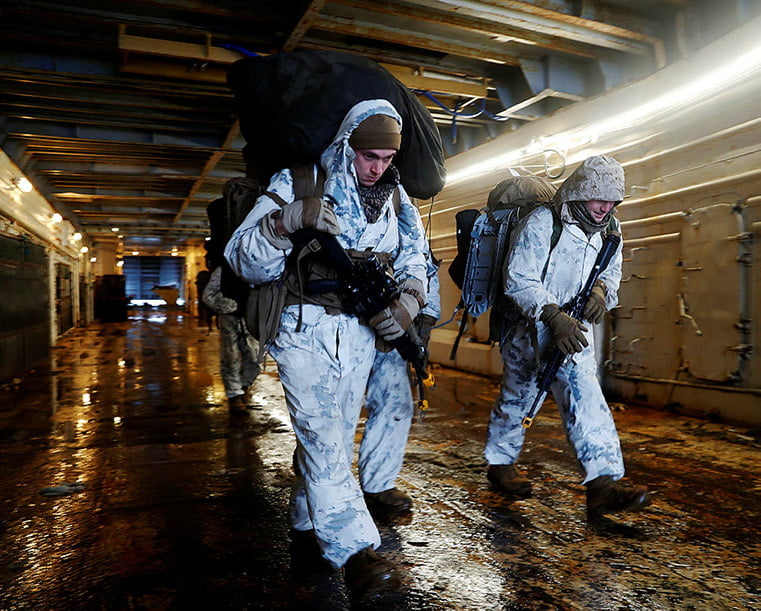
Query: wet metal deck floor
[{"x": 183, "y": 509}]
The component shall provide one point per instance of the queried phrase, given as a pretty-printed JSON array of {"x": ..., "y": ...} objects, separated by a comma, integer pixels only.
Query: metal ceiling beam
[
  {"x": 531, "y": 18},
  {"x": 232, "y": 135},
  {"x": 218, "y": 74},
  {"x": 206, "y": 52},
  {"x": 310, "y": 14},
  {"x": 439, "y": 44},
  {"x": 500, "y": 32},
  {"x": 513, "y": 111},
  {"x": 415, "y": 78},
  {"x": 62, "y": 144}
]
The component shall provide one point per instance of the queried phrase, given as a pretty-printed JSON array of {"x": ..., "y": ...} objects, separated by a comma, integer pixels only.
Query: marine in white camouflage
[
  {"x": 586, "y": 416},
  {"x": 237, "y": 348},
  {"x": 325, "y": 364}
]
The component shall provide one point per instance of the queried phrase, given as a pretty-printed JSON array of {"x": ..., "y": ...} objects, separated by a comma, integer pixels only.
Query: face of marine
[
  {"x": 370, "y": 164},
  {"x": 599, "y": 209}
]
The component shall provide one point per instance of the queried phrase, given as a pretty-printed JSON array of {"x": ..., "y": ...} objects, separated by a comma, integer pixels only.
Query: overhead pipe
[
  {"x": 723, "y": 134},
  {"x": 721, "y": 183},
  {"x": 656, "y": 239},
  {"x": 649, "y": 220}
]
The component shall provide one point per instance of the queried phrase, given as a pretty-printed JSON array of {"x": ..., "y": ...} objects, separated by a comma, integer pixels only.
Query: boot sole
[
  {"x": 517, "y": 494},
  {"x": 637, "y": 504}
]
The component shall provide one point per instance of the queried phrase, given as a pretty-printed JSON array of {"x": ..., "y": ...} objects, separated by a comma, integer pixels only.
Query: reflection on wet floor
[{"x": 157, "y": 500}]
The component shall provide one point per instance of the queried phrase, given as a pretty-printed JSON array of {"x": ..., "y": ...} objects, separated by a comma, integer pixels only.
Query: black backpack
[
  {"x": 225, "y": 214},
  {"x": 291, "y": 104}
]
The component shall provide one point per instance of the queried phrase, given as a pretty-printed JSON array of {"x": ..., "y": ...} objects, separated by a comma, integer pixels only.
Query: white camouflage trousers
[
  {"x": 324, "y": 369},
  {"x": 390, "y": 409},
  {"x": 237, "y": 355},
  {"x": 588, "y": 422}
]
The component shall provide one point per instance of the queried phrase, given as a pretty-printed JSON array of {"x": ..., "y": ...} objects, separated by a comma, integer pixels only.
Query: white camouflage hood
[{"x": 598, "y": 177}]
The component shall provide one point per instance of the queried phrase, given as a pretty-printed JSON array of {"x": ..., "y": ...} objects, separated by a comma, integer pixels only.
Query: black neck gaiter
[
  {"x": 373, "y": 197},
  {"x": 581, "y": 215}
]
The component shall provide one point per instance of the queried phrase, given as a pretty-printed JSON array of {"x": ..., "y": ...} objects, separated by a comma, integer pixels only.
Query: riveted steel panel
[{"x": 712, "y": 285}]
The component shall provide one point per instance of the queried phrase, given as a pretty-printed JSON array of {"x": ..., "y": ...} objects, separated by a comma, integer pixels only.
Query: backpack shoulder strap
[
  {"x": 304, "y": 183},
  {"x": 557, "y": 227},
  {"x": 613, "y": 227}
]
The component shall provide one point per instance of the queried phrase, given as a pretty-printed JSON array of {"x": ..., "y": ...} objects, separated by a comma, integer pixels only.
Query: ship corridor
[{"x": 177, "y": 507}]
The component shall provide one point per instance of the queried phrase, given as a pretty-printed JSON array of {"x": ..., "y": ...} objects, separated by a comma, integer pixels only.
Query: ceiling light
[
  {"x": 115, "y": 229},
  {"x": 56, "y": 218},
  {"x": 84, "y": 249}
]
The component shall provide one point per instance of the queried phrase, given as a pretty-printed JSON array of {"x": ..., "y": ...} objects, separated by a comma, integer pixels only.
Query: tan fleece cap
[{"x": 376, "y": 132}]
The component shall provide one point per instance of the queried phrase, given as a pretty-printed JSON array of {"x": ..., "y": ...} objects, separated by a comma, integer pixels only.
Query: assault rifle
[
  {"x": 366, "y": 288},
  {"x": 575, "y": 309}
]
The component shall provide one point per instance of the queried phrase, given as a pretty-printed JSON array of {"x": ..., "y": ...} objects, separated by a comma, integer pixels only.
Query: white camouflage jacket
[
  {"x": 257, "y": 261},
  {"x": 569, "y": 264}
]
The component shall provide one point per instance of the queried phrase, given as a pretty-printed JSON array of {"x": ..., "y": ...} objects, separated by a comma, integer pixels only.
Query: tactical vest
[{"x": 305, "y": 267}]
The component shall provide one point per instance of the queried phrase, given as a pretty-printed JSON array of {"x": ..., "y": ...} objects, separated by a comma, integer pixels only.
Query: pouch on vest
[{"x": 263, "y": 309}]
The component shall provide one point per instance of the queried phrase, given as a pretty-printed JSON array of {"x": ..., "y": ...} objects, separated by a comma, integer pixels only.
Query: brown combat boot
[
  {"x": 391, "y": 501},
  {"x": 366, "y": 573},
  {"x": 237, "y": 405},
  {"x": 507, "y": 479},
  {"x": 604, "y": 495}
]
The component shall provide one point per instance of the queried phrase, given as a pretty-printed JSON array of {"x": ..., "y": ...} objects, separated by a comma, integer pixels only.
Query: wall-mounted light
[
  {"x": 93, "y": 259},
  {"x": 84, "y": 249},
  {"x": 56, "y": 218},
  {"x": 22, "y": 184},
  {"x": 135, "y": 252},
  {"x": 115, "y": 229},
  {"x": 17, "y": 183},
  {"x": 120, "y": 263},
  {"x": 76, "y": 237}
]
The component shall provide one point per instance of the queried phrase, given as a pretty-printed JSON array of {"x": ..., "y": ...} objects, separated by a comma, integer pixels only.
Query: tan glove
[
  {"x": 595, "y": 308},
  {"x": 566, "y": 330},
  {"x": 392, "y": 322},
  {"x": 310, "y": 213}
]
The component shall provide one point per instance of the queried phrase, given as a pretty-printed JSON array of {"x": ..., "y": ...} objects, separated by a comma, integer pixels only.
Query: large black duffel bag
[{"x": 291, "y": 104}]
